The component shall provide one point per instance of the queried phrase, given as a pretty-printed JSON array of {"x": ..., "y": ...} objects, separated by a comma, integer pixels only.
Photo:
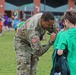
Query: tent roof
[
  {"x": 12, "y": 7},
  {"x": 29, "y": 7}
]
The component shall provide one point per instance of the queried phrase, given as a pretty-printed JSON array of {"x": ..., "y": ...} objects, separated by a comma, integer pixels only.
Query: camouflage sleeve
[
  {"x": 36, "y": 46},
  {"x": 44, "y": 49},
  {"x": 55, "y": 25}
]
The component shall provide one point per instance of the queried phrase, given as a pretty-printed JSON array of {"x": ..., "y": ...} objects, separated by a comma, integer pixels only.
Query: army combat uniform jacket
[{"x": 30, "y": 34}]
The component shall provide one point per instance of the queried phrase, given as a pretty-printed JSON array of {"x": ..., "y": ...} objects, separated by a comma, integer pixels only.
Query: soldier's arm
[
  {"x": 48, "y": 44},
  {"x": 45, "y": 48},
  {"x": 36, "y": 46}
]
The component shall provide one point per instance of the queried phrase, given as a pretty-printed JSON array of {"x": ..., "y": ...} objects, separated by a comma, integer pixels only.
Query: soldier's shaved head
[{"x": 47, "y": 16}]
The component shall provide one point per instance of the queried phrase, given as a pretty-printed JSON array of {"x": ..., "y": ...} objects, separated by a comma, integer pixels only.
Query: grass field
[{"x": 8, "y": 56}]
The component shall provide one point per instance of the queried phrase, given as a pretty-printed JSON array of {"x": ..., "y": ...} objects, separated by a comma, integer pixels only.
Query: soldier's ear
[{"x": 42, "y": 20}]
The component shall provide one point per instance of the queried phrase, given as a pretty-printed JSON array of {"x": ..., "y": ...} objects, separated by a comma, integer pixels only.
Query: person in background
[
  {"x": 9, "y": 23},
  {"x": 16, "y": 14},
  {"x": 15, "y": 22},
  {"x": 27, "y": 42},
  {"x": 20, "y": 23},
  {"x": 5, "y": 22},
  {"x": 1, "y": 23}
]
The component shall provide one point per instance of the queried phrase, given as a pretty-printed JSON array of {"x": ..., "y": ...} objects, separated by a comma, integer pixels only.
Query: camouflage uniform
[{"x": 27, "y": 45}]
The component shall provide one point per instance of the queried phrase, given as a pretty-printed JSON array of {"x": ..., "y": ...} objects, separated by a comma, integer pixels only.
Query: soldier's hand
[
  {"x": 56, "y": 30},
  {"x": 52, "y": 36}
]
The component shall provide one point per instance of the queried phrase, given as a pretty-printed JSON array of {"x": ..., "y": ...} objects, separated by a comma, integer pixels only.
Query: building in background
[{"x": 35, "y": 6}]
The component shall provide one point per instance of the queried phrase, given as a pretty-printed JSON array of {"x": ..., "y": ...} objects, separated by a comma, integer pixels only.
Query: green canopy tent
[{"x": 9, "y": 6}]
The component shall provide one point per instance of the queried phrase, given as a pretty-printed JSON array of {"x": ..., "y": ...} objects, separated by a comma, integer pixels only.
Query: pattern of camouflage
[{"x": 28, "y": 47}]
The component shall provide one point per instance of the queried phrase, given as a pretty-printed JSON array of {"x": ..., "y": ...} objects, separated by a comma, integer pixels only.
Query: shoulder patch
[{"x": 34, "y": 40}]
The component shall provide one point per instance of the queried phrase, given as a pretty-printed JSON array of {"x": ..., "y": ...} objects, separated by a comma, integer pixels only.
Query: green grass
[{"x": 8, "y": 57}]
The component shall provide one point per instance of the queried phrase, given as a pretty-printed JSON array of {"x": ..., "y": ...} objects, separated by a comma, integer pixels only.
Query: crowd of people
[
  {"x": 28, "y": 36},
  {"x": 6, "y": 23}
]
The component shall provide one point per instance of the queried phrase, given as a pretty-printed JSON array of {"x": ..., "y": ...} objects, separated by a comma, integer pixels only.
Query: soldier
[{"x": 27, "y": 42}]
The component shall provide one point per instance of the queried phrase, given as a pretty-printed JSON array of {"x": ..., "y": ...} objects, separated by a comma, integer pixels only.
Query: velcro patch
[{"x": 34, "y": 40}]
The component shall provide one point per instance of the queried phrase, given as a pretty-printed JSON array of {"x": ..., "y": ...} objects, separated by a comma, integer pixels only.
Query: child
[
  {"x": 16, "y": 21},
  {"x": 0, "y": 26},
  {"x": 20, "y": 23},
  {"x": 68, "y": 40}
]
